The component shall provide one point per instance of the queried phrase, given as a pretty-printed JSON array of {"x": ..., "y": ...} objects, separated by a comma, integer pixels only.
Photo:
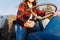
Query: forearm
[{"x": 34, "y": 14}]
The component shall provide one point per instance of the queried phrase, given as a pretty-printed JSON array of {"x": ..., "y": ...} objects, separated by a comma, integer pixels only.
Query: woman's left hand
[{"x": 54, "y": 13}]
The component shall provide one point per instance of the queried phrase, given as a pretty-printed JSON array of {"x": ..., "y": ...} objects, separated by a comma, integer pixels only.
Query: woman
[
  {"x": 25, "y": 17},
  {"x": 28, "y": 15}
]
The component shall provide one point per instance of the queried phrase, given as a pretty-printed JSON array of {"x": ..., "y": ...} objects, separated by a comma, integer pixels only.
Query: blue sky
[{"x": 10, "y": 7}]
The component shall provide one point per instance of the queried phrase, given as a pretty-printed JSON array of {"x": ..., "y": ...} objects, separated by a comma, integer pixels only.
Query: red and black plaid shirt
[{"x": 21, "y": 10}]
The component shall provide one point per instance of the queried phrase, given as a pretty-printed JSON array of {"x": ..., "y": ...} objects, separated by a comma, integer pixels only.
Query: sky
[{"x": 10, "y": 7}]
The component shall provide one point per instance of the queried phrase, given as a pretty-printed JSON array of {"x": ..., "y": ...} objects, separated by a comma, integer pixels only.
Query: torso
[{"x": 27, "y": 15}]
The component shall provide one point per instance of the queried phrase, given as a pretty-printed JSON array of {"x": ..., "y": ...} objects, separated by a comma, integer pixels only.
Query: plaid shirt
[{"x": 21, "y": 10}]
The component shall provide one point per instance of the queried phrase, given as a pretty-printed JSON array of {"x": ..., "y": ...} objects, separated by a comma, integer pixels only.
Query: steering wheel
[{"x": 48, "y": 7}]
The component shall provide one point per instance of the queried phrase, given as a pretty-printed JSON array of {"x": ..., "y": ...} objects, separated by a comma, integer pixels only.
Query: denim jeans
[{"x": 22, "y": 33}]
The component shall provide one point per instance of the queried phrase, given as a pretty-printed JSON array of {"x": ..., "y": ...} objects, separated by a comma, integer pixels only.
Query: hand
[
  {"x": 29, "y": 24},
  {"x": 54, "y": 13}
]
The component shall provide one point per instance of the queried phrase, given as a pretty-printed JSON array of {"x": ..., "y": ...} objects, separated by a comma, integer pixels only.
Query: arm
[
  {"x": 41, "y": 13},
  {"x": 20, "y": 11}
]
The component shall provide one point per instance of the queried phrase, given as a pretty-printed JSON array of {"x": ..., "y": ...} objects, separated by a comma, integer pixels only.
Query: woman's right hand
[{"x": 29, "y": 24}]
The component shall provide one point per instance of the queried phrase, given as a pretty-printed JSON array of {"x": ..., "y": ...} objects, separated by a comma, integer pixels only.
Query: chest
[{"x": 28, "y": 13}]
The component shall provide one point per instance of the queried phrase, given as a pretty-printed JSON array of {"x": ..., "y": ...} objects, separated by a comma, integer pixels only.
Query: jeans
[{"x": 22, "y": 33}]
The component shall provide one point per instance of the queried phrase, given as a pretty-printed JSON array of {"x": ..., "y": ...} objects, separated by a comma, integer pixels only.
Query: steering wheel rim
[{"x": 44, "y": 5}]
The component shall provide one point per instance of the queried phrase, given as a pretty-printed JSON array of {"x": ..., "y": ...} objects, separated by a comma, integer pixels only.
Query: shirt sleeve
[
  {"x": 20, "y": 10},
  {"x": 41, "y": 13}
]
